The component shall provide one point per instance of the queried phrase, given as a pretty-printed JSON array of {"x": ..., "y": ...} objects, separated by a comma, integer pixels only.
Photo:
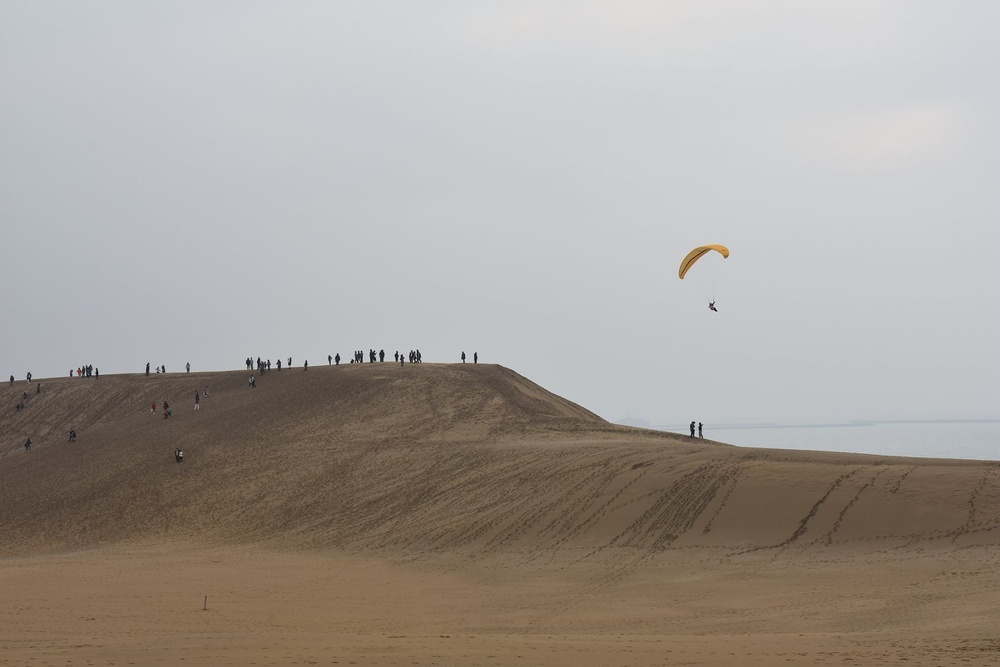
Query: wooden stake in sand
[{"x": 206, "y": 604}]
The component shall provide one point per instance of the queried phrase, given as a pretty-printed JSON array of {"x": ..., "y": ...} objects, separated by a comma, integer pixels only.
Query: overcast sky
[{"x": 203, "y": 181}]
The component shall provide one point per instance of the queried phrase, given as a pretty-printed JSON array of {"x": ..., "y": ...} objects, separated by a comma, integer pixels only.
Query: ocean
[{"x": 952, "y": 439}]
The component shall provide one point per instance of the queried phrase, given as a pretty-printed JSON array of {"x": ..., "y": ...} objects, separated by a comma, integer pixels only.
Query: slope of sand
[{"x": 460, "y": 514}]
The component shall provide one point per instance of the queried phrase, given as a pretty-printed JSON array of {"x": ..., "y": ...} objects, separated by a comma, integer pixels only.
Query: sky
[{"x": 205, "y": 181}]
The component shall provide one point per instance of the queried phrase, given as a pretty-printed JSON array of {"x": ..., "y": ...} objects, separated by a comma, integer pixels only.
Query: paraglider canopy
[{"x": 697, "y": 254}]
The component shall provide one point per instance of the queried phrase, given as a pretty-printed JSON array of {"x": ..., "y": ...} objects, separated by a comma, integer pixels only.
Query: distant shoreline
[{"x": 861, "y": 423}]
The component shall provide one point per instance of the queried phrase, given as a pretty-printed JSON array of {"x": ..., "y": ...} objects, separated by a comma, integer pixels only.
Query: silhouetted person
[
  {"x": 27, "y": 444},
  {"x": 289, "y": 362},
  {"x": 337, "y": 358},
  {"x": 692, "y": 429},
  {"x": 147, "y": 370},
  {"x": 279, "y": 364},
  {"x": 97, "y": 373},
  {"x": 329, "y": 359},
  {"x": 401, "y": 361},
  {"x": 463, "y": 356},
  {"x": 699, "y": 430},
  {"x": 12, "y": 380},
  {"x": 305, "y": 365},
  {"x": 188, "y": 367},
  {"x": 29, "y": 377},
  {"x": 475, "y": 357}
]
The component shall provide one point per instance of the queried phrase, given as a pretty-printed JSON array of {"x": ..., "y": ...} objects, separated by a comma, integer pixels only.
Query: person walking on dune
[
  {"x": 27, "y": 445},
  {"x": 197, "y": 401}
]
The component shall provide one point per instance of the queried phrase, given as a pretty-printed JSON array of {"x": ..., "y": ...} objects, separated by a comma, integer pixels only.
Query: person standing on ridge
[
  {"x": 329, "y": 360},
  {"x": 188, "y": 367},
  {"x": 463, "y": 356},
  {"x": 692, "y": 429},
  {"x": 147, "y": 370},
  {"x": 699, "y": 430},
  {"x": 475, "y": 357}
]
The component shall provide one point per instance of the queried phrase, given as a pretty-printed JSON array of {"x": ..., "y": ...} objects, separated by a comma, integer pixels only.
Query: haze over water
[{"x": 953, "y": 439}]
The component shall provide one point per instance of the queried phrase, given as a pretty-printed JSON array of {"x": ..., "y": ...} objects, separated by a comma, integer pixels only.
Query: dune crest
[{"x": 437, "y": 459}]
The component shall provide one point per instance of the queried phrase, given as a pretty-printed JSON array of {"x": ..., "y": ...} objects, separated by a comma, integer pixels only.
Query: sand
[{"x": 462, "y": 515}]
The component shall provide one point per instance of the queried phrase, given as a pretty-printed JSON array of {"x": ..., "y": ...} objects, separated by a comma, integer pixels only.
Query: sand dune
[{"x": 331, "y": 511}]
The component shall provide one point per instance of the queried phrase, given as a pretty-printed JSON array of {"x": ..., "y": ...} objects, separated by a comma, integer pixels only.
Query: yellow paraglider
[{"x": 697, "y": 253}]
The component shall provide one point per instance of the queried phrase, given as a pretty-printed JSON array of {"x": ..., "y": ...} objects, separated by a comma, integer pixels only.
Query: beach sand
[{"x": 462, "y": 515}]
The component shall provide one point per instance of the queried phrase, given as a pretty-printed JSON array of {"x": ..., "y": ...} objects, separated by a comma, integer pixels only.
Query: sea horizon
[{"x": 976, "y": 439}]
